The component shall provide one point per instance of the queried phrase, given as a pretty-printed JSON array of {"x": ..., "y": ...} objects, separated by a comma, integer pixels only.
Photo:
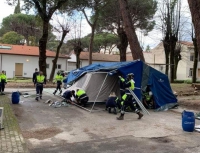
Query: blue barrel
[
  {"x": 15, "y": 97},
  {"x": 188, "y": 121}
]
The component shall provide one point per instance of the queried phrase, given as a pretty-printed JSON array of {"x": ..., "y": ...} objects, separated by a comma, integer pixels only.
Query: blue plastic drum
[
  {"x": 188, "y": 121},
  {"x": 15, "y": 97}
]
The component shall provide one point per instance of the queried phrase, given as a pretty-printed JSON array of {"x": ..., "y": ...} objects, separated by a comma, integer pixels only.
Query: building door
[{"x": 18, "y": 69}]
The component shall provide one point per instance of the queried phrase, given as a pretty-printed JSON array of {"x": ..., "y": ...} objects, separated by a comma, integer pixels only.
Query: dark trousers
[
  {"x": 59, "y": 83},
  {"x": 83, "y": 101},
  {"x": 2, "y": 86},
  {"x": 129, "y": 103},
  {"x": 39, "y": 89}
]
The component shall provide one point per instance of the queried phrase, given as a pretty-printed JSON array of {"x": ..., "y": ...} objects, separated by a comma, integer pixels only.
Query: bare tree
[
  {"x": 62, "y": 28},
  {"x": 170, "y": 26}
]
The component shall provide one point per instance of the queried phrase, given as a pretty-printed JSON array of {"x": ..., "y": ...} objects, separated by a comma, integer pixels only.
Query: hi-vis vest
[
  {"x": 80, "y": 92},
  {"x": 132, "y": 84},
  {"x": 3, "y": 77},
  {"x": 59, "y": 77},
  {"x": 40, "y": 78}
]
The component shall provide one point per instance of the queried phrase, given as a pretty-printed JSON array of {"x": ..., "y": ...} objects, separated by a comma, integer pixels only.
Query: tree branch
[
  {"x": 38, "y": 7},
  {"x": 87, "y": 18},
  {"x": 53, "y": 9}
]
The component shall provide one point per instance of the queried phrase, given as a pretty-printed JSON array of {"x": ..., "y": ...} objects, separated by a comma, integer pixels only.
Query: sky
[{"x": 154, "y": 37}]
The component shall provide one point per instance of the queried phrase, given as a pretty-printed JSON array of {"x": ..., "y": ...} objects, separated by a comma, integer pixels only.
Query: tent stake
[{"x": 98, "y": 93}]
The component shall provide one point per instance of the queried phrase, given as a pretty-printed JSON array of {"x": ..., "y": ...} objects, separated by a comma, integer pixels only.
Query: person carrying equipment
[
  {"x": 81, "y": 97},
  {"x": 68, "y": 95},
  {"x": 58, "y": 80},
  {"x": 3, "y": 82},
  {"x": 127, "y": 98},
  {"x": 39, "y": 82}
]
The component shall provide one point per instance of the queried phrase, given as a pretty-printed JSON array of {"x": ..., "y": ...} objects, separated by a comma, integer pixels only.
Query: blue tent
[{"x": 143, "y": 75}]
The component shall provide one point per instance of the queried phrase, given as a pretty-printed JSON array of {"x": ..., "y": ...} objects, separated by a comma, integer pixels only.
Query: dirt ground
[{"x": 74, "y": 130}]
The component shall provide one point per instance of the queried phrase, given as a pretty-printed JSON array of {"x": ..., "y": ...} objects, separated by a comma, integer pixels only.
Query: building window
[
  {"x": 190, "y": 72},
  {"x": 58, "y": 66},
  {"x": 191, "y": 56},
  {"x": 198, "y": 73},
  {"x": 47, "y": 66}
]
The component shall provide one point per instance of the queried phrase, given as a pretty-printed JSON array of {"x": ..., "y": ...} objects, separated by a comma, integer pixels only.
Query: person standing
[
  {"x": 35, "y": 75},
  {"x": 81, "y": 97},
  {"x": 39, "y": 82},
  {"x": 58, "y": 80},
  {"x": 3, "y": 82},
  {"x": 127, "y": 98}
]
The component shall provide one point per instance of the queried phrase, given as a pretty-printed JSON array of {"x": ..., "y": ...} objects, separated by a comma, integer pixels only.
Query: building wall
[{"x": 7, "y": 63}]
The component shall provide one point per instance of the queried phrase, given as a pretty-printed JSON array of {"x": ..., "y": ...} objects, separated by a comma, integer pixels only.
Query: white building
[
  {"x": 100, "y": 57},
  {"x": 185, "y": 65},
  {"x": 21, "y": 61}
]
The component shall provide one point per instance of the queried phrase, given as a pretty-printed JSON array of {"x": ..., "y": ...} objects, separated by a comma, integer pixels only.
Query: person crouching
[
  {"x": 112, "y": 103},
  {"x": 81, "y": 97},
  {"x": 68, "y": 95}
]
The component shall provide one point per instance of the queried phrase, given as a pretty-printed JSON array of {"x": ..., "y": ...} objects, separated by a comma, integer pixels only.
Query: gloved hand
[{"x": 120, "y": 77}]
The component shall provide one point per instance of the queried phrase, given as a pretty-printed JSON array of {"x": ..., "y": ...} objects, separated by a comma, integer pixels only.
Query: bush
[
  {"x": 178, "y": 81},
  {"x": 188, "y": 81}
]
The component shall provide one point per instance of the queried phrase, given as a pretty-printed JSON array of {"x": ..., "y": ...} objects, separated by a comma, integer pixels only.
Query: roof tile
[{"x": 26, "y": 50}]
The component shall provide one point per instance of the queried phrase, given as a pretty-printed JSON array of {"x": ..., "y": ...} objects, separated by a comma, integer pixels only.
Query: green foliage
[
  {"x": 147, "y": 48},
  {"x": 142, "y": 12},
  {"x": 188, "y": 81},
  {"x": 26, "y": 25},
  {"x": 101, "y": 41},
  {"x": 12, "y": 38}
]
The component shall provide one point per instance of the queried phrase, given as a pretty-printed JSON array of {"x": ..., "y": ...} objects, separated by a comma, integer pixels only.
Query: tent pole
[{"x": 99, "y": 92}]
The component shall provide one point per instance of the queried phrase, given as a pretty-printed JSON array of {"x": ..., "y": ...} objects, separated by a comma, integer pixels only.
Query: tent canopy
[{"x": 143, "y": 75}]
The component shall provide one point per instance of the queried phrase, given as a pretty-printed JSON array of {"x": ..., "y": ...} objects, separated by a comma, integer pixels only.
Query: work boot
[
  {"x": 40, "y": 97},
  {"x": 36, "y": 98},
  {"x": 109, "y": 110},
  {"x": 54, "y": 92},
  {"x": 121, "y": 117},
  {"x": 140, "y": 115},
  {"x": 60, "y": 92},
  {"x": 115, "y": 111}
]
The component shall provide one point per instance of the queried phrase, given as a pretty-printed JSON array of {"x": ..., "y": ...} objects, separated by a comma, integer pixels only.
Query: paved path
[{"x": 11, "y": 140}]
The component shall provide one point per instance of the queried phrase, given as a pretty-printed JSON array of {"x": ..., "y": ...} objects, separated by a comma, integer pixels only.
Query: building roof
[
  {"x": 99, "y": 57},
  {"x": 187, "y": 43},
  {"x": 113, "y": 58},
  {"x": 26, "y": 51}
]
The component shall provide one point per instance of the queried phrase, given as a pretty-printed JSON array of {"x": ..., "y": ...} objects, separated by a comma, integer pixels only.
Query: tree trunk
[
  {"x": 136, "y": 50},
  {"x": 54, "y": 61},
  {"x": 167, "y": 52},
  {"x": 195, "y": 12},
  {"x": 91, "y": 44},
  {"x": 177, "y": 58},
  {"x": 122, "y": 46},
  {"x": 172, "y": 58},
  {"x": 42, "y": 48},
  {"x": 77, "y": 50},
  {"x": 195, "y": 64},
  {"x": 77, "y": 61}
]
